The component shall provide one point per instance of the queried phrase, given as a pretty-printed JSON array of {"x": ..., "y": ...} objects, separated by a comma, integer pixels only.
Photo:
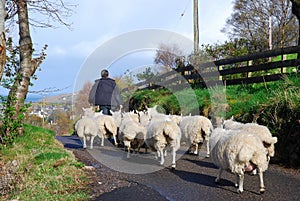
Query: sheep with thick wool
[
  {"x": 86, "y": 129},
  {"x": 196, "y": 130},
  {"x": 154, "y": 115},
  {"x": 131, "y": 133},
  {"x": 239, "y": 152},
  {"x": 117, "y": 115},
  {"x": 143, "y": 118},
  {"x": 106, "y": 124},
  {"x": 161, "y": 135},
  {"x": 107, "y": 127},
  {"x": 261, "y": 131}
]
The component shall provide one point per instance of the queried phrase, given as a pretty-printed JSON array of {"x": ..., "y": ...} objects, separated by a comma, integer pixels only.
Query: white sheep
[
  {"x": 86, "y": 129},
  {"x": 131, "y": 133},
  {"x": 163, "y": 134},
  {"x": 261, "y": 131},
  {"x": 176, "y": 118},
  {"x": 88, "y": 112},
  {"x": 106, "y": 127},
  {"x": 154, "y": 115},
  {"x": 143, "y": 118},
  {"x": 196, "y": 130},
  {"x": 117, "y": 115},
  {"x": 106, "y": 124},
  {"x": 239, "y": 152}
]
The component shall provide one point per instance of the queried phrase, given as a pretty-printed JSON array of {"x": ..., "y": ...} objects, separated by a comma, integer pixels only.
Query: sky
[{"x": 120, "y": 35}]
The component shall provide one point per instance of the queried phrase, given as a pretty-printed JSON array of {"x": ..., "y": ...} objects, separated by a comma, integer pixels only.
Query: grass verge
[{"x": 45, "y": 170}]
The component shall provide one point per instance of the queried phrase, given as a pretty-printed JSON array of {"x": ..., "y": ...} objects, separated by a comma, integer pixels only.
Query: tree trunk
[
  {"x": 2, "y": 38},
  {"x": 18, "y": 92},
  {"x": 296, "y": 11}
]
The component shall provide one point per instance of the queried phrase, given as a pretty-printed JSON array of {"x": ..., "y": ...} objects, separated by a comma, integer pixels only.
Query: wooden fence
[{"x": 255, "y": 68}]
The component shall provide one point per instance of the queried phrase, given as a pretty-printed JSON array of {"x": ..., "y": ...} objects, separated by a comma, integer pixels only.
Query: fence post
[
  {"x": 219, "y": 69},
  {"x": 283, "y": 69},
  {"x": 249, "y": 63}
]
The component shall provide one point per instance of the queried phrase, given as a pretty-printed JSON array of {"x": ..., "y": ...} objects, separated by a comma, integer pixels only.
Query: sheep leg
[
  {"x": 237, "y": 181},
  {"x": 173, "y": 158},
  {"x": 84, "y": 142},
  {"x": 102, "y": 141},
  {"x": 207, "y": 148},
  {"x": 196, "y": 149},
  {"x": 162, "y": 159},
  {"x": 127, "y": 147},
  {"x": 218, "y": 178},
  {"x": 115, "y": 140},
  {"x": 165, "y": 153},
  {"x": 157, "y": 155},
  {"x": 101, "y": 136},
  {"x": 241, "y": 183},
  {"x": 128, "y": 151},
  {"x": 261, "y": 182},
  {"x": 92, "y": 142}
]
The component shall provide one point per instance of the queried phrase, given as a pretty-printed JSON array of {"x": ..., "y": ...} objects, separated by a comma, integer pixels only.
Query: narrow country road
[{"x": 192, "y": 180}]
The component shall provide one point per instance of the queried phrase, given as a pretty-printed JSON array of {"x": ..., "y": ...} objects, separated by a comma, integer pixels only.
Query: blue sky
[{"x": 97, "y": 24}]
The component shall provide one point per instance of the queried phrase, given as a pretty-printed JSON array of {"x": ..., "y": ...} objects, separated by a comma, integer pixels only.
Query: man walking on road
[{"x": 105, "y": 93}]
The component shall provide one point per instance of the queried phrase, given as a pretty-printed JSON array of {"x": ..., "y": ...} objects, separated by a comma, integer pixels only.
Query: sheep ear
[
  {"x": 231, "y": 118},
  {"x": 112, "y": 112},
  {"x": 274, "y": 140}
]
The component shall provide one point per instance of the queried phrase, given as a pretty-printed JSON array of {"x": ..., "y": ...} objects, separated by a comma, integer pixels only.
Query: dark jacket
[{"x": 105, "y": 92}]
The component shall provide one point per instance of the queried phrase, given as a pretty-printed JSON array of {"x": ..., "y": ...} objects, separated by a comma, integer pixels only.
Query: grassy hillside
[
  {"x": 274, "y": 104},
  {"x": 41, "y": 169}
]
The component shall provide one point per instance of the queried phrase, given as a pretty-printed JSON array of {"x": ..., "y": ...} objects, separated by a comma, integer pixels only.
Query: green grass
[
  {"x": 46, "y": 170},
  {"x": 244, "y": 101}
]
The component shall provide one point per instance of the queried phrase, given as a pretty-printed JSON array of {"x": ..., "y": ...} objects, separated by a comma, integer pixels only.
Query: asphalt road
[{"x": 193, "y": 178}]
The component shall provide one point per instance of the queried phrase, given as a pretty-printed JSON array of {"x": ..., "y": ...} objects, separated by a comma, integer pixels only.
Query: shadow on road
[
  {"x": 202, "y": 163},
  {"x": 71, "y": 142},
  {"x": 202, "y": 179}
]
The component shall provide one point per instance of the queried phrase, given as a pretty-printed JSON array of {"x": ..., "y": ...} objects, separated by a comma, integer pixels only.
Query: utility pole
[
  {"x": 196, "y": 27},
  {"x": 270, "y": 32}
]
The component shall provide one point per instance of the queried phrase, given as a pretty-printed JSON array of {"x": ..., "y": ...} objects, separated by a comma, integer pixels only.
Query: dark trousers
[{"x": 105, "y": 109}]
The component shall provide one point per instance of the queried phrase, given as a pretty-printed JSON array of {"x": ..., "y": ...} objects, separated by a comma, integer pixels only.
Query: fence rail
[{"x": 255, "y": 68}]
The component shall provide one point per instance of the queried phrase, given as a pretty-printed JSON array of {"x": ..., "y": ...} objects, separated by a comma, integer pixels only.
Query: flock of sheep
[{"x": 233, "y": 146}]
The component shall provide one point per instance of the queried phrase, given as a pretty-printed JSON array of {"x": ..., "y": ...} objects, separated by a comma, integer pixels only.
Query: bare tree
[
  {"x": 252, "y": 20},
  {"x": 53, "y": 10},
  {"x": 82, "y": 98},
  {"x": 296, "y": 12},
  {"x": 166, "y": 55}
]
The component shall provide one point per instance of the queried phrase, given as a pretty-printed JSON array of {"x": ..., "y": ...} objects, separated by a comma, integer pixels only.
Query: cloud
[
  {"x": 97, "y": 22},
  {"x": 84, "y": 48},
  {"x": 58, "y": 51}
]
